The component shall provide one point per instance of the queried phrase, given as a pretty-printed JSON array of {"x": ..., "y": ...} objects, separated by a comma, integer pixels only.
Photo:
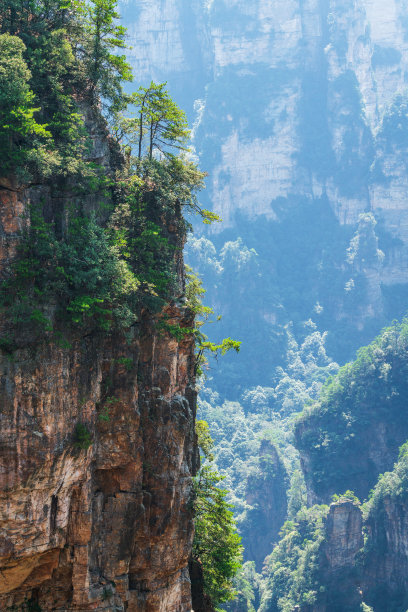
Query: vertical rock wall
[
  {"x": 292, "y": 98},
  {"x": 108, "y": 527},
  {"x": 111, "y": 525}
]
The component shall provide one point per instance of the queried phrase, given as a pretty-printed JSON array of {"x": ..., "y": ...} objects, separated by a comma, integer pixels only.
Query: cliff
[
  {"x": 97, "y": 442},
  {"x": 353, "y": 432},
  {"x": 297, "y": 109},
  {"x": 340, "y": 569},
  {"x": 385, "y": 558}
]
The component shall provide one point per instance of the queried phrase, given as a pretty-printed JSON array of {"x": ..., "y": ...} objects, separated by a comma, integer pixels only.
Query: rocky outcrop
[
  {"x": 343, "y": 535},
  {"x": 385, "y": 566},
  {"x": 110, "y": 525},
  {"x": 374, "y": 569},
  {"x": 335, "y": 577},
  {"x": 97, "y": 450},
  {"x": 357, "y": 467},
  {"x": 338, "y": 571}
]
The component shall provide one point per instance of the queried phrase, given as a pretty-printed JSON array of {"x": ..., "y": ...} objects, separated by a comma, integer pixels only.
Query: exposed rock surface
[
  {"x": 291, "y": 104},
  {"x": 338, "y": 572},
  {"x": 108, "y": 527},
  {"x": 351, "y": 571},
  {"x": 343, "y": 535},
  {"x": 79, "y": 525},
  {"x": 357, "y": 468}
]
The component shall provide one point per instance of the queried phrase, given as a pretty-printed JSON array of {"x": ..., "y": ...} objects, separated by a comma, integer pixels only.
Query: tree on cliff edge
[{"x": 217, "y": 544}]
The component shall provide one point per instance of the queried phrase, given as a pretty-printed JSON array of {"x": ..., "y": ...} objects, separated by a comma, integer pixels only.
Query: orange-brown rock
[{"x": 108, "y": 527}]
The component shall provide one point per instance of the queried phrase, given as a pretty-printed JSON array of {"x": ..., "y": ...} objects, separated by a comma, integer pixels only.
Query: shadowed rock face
[
  {"x": 338, "y": 555},
  {"x": 386, "y": 568},
  {"x": 344, "y": 535},
  {"x": 108, "y": 527},
  {"x": 372, "y": 453}
]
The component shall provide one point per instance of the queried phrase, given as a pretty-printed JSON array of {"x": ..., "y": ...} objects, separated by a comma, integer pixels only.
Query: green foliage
[
  {"x": 194, "y": 291},
  {"x": 216, "y": 542},
  {"x": 159, "y": 125},
  {"x": 247, "y": 584},
  {"x": 82, "y": 437},
  {"x": 239, "y": 429},
  {"x": 174, "y": 330},
  {"x": 347, "y": 496},
  {"x": 60, "y": 53},
  {"x": 104, "y": 415},
  {"x": 103, "y": 35},
  {"x": 173, "y": 182},
  {"x": 82, "y": 273},
  {"x": 204, "y": 440},
  {"x": 127, "y": 362},
  {"x": 18, "y": 127},
  {"x": 391, "y": 485},
  {"x": 297, "y": 494},
  {"x": 293, "y": 567},
  {"x": 369, "y": 391}
]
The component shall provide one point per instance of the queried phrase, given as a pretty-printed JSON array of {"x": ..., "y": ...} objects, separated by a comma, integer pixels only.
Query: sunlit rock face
[{"x": 292, "y": 99}]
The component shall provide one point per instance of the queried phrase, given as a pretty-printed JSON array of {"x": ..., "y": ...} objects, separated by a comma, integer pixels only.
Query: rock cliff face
[
  {"x": 105, "y": 524},
  {"x": 352, "y": 570},
  {"x": 386, "y": 568},
  {"x": 338, "y": 555},
  {"x": 294, "y": 100}
]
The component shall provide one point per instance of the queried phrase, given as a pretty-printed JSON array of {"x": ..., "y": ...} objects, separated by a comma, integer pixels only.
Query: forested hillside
[{"x": 350, "y": 556}]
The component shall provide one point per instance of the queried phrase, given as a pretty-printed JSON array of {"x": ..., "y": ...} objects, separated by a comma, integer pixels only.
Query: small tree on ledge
[{"x": 159, "y": 124}]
